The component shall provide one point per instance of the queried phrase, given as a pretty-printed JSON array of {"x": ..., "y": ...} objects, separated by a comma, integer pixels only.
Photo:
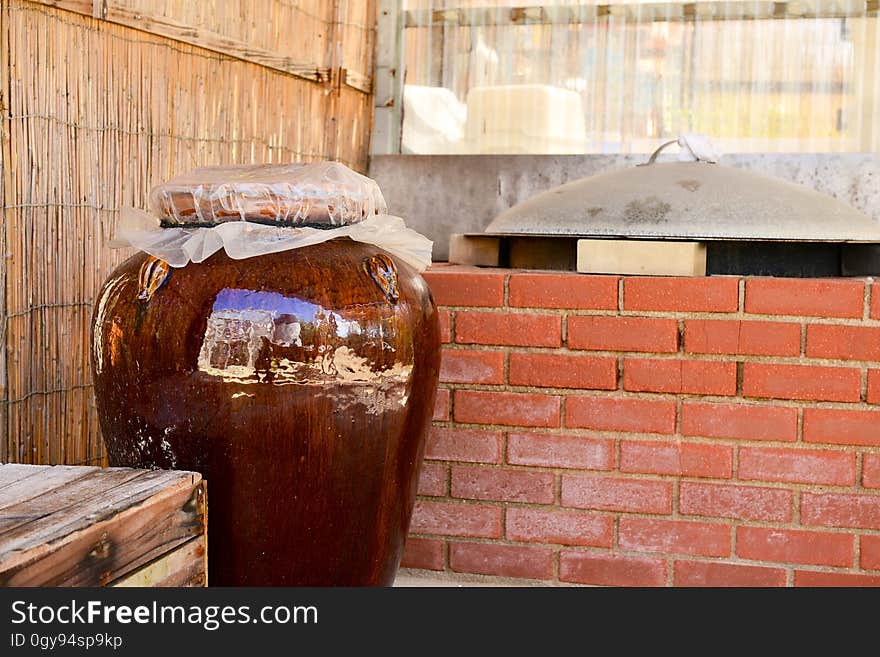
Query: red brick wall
[{"x": 653, "y": 431}]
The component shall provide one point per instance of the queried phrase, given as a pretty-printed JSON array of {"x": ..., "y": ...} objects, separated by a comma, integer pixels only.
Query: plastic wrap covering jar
[{"x": 300, "y": 382}]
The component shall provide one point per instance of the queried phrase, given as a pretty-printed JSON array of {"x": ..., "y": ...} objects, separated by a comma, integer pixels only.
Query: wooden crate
[{"x": 89, "y": 526}]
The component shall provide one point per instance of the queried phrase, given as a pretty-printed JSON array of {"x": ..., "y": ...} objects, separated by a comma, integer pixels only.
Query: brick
[
  {"x": 616, "y": 494},
  {"x": 848, "y": 580},
  {"x": 466, "y": 287},
  {"x": 473, "y": 446},
  {"x": 716, "y": 294},
  {"x": 559, "y": 527},
  {"x": 745, "y": 338},
  {"x": 610, "y": 333},
  {"x": 800, "y": 466},
  {"x": 873, "y": 396},
  {"x": 676, "y": 458},
  {"x": 466, "y": 366},
  {"x": 875, "y": 302},
  {"x": 432, "y": 480},
  {"x": 795, "y": 546},
  {"x": 555, "y": 451},
  {"x": 735, "y": 501},
  {"x": 842, "y": 427},
  {"x": 807, "y": 382},
  {"x": 424, "y": 553},
  {"x": 615, "y": 414},
  {"x": 744, "y": 421},
  {"x": 707, "y": 573},
  {"x": 501, "y": 560},
  {"x": 441, "y": 405},
  {"x": 507, "y": 408},
  {"x": 871, "y": 470},
  {"x": 674, "y": 536},
  {"x": 841, "y": 510},
  {"x": 843, "y": 342},
  {"x": 445, "y": 319},
  {"x": 562, "y": 371},
  {"x": 572, "y": 291},
  {"x": 869, "y": 547},
  {"x": 508, "y": 329},
  {"x": 503, "y": 485},
  {"x": 805, "y": 297},
  {"x": 605, "y": 569},
  {"x": 453, "y": 519},
  {"x": 693, "y": 377}
]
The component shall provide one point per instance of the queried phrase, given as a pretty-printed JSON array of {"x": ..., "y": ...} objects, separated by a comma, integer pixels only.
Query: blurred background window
[{"x": 485, "y": 76}]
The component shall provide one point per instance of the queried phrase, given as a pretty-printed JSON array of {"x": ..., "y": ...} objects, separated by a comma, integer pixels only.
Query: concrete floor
[{"x": 407, "y": 578}]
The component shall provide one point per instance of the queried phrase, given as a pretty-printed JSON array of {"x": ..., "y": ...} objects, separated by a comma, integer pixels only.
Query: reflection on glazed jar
[
  {"x": 153, "y": 274},
  {"x": 382, "y": 270},
  {"x": 264, "y": 337}
]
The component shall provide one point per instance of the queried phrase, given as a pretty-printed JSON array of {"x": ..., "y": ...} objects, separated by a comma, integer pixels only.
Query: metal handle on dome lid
[{"x": 694, "y": 148}]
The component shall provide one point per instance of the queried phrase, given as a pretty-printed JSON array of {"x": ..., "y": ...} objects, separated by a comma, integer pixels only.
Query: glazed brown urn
[{"x": 299, "y": 383}]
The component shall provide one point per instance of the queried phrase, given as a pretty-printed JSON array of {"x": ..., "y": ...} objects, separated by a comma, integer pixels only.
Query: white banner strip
[{"x": 243, "y": 239}]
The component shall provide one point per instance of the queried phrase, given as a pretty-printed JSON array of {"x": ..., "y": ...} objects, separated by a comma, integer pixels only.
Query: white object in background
[
  {"x": 697, "y": 147},
  {"x": 434, "y": 122},
  {"x": 525, "y": 118}
]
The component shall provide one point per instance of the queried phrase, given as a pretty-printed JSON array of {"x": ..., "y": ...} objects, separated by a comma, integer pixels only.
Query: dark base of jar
[{"x": 297, "y": 504}]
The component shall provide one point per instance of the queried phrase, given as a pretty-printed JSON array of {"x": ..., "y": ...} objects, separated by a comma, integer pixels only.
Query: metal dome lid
[{"x": 687, "y": 200}]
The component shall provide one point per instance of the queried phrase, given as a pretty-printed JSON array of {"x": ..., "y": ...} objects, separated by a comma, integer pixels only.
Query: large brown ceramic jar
[{"x": 299, "y": 383}]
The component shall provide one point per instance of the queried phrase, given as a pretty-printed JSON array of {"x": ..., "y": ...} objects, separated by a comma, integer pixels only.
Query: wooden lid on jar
[{"x": 317, "y": 194}]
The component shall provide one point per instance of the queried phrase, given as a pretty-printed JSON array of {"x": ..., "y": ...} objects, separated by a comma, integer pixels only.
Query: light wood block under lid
[{"x": 645, "y": 257}]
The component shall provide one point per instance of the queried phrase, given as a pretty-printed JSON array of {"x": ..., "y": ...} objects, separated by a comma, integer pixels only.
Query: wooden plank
[
  {"x": 474, "y": 250},
  {"x": 677, "y": 10},
  {"x": 95, "y": 544},
  {"x": 34, "y": 481},
  {"x": 13, "y": 473},
  {"x": 357, "y": 80},
  {"x": 184, "y": 566},
  {"x": 645, "y": 257},
  {"x": 196, "y": 36},
  {"x": 557, "y": 253},
  {"x": 94, "y": 497},
  {"x": 85, "y": 7},
  {"x": 516, "y": 251},
  {"x": 50, "y": 498},
  {"x": 212, "y": 41}
]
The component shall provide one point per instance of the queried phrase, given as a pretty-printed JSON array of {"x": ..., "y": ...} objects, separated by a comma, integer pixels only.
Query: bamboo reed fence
[{"x": 100, "y": 101}]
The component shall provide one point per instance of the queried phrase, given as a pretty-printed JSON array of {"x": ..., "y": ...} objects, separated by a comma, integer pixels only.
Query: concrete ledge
[{"x": 409, "y": 578}]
